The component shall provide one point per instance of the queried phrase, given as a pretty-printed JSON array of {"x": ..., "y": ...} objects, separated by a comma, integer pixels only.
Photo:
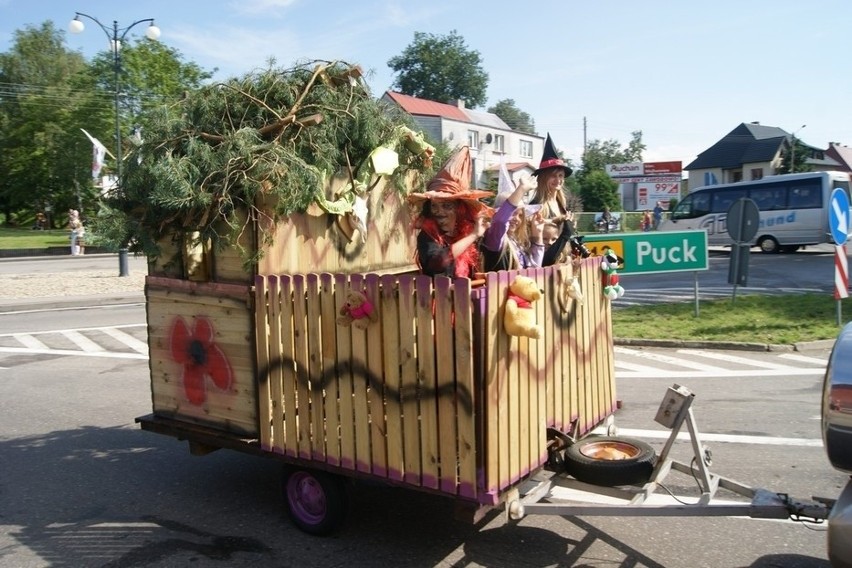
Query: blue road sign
[{"x": 838, "y": 216}]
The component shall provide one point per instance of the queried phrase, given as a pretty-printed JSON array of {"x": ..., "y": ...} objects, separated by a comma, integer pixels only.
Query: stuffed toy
[
  {"x": 569, "y": 288},
  {"x": 357, "y": 311},
  {"x": 519, "y": 316},
  {"x": 610, "y": 265}
]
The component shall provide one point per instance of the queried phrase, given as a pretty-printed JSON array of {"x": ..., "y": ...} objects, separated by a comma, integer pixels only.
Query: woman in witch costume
[{"x": 451, "y": 220}]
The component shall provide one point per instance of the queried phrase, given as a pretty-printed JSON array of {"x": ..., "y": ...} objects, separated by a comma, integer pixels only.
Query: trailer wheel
[
  {"x": 316, "y": 501},
  {"x": 610, "y": 461}
]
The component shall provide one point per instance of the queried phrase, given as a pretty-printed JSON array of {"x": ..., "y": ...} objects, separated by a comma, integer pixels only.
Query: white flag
[{"x": 99, "y": 152}]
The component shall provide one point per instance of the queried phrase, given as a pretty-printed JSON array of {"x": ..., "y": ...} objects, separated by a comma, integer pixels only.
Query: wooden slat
[
  {"x": 378, "y": 429},
  {"x": 315, "y": 371},
  {"x": 301, "y": 354},
  {"x": 409, "y": 380},
  {"x": 445, "y": 384},
  {"x": 331, "y": 398},
  {"x": 263, "y": 326},
  {"x": 360, "y": 402},
  {"x": 464, "y": 397},
  {"x": 495, "y": 376},
  {"x": 389, "y": 309},
  {"x": 344, "y": 378},
  {"x": 289, "y": 379},
  {"x": 427, "y": 382}
]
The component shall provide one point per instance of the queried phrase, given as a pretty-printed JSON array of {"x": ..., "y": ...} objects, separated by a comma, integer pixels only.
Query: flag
[{"x": 99, "y": 152}]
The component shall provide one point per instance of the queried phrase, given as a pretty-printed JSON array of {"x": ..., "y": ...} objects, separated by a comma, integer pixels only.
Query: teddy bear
[
  {"x": 609, "y": 265},
  {"x": 519, "y": 316},
  {"x": 357, "y": 310}
]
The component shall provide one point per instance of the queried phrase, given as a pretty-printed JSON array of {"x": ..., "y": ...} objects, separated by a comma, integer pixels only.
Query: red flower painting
[{"x": 200, "y": 357}]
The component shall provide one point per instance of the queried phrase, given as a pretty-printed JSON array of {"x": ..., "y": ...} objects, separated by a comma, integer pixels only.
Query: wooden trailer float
[{"x": 432, "y": 395}]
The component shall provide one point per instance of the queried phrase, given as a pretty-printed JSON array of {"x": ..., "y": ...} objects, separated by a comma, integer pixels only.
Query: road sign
[
  {"x": 742, "y": 220},
  {"x": 669, "y": 251},
  {"x": 838, "y": 216}
]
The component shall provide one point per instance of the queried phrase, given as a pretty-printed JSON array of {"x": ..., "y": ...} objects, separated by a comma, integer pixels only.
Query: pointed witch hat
[
  {"x": 506, "y": 186},
  {"x": 453, "y": 182},
  {"x": 550, "y": 159}
]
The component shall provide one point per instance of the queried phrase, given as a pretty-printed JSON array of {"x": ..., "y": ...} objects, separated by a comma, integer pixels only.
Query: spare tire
[{"x": 610, "y": 460}]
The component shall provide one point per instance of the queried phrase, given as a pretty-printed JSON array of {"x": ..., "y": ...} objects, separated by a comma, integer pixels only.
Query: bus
[{"x": 793, "y": 209}]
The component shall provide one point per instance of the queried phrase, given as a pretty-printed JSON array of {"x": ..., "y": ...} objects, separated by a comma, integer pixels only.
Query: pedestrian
[
  {"x": 549, "y": 192},
  {"x": 658, "y": 214},
  {"x": 451, "y": 220},
  {"x": 75, "y": 226},
  {"x": 646, "y": 221}
]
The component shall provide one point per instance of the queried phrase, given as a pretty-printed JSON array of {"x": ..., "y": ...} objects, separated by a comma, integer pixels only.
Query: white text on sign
[{"x": 660, "y": 255}]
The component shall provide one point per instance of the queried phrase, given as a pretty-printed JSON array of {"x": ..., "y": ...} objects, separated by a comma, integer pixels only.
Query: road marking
[
  {"x": 721, "y": 373},
  {"x": 732, "y": 359},
  {"x": 127, "y": 339},
  {"x": 658, "y": 357},
  {"x": 83, "y": 342},
  {"x": 804, "y": 358},
  {"x": 28, "y": 340},
  {"x": 107, "y": 354},
  {"x": 706, "y": 437}
]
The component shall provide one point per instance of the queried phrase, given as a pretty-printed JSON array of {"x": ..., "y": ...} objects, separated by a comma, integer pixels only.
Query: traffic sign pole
[{"x": 841, "y": 278}]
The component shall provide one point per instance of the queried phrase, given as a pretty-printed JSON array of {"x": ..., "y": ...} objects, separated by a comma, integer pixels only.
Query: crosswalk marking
[
  {"x": 733, "y": 358},
  {"x": 127, "y": 339},
  {"x": 83, "y": 342},
  {"x": 29, "y": 341},
  {"x": 659, "y": 357},
  {"x": 802, "y": 358}
]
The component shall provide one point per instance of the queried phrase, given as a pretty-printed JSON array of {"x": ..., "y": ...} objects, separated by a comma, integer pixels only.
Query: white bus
[{"x": 793, "y": 209}]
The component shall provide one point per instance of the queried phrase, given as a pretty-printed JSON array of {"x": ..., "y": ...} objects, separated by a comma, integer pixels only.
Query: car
[{"x": 837, "y": 438}]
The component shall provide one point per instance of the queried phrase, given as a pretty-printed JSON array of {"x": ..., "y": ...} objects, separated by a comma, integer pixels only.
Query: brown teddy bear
[
  {"x": 357, "y": 311},
  {"x": 519, "y": 316}
]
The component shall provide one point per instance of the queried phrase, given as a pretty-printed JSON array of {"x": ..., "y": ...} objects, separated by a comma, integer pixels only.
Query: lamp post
[
  {"x": 793, "y": 149},
  {"x": 115, "y": 37}
]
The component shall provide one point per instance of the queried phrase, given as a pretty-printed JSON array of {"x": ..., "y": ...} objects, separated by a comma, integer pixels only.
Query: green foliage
[
  {"x": 798, "y": 152},
  {"x": 276, "y": 135},
  {"x": 599, "y": 153},
  {"x": 756, "y": 319},
  {"x": 513, "y": 116},
  {"x": 598, "y": 190},
  {"x": 441, "y": 68}
]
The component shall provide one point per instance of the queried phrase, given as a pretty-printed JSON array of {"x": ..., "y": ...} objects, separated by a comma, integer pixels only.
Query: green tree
[
  {"x": 599, "y": 153},
  {"x": 798, "y": 153},
  {"x": 513, "y": 116},
  {"x": 440, "y": 68},
  {"x": 598, "y": 190},
  {"x": 41, "y": 98}
]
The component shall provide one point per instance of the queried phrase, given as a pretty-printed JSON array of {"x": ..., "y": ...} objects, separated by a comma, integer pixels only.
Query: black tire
[
  {"x": 317, "y": 501},
  {"x": 610, "y": 460},
  {"x": 768, "y": 245}
]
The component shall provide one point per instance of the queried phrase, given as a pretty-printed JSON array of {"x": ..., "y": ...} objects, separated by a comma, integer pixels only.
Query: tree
[
  {"x": 440, "y": 68},
  {"x": 598, "y": 190},
  {"x": 40, "y": 102},
  {"x": 513, "y": 116},
  {"x": 798, "y": 152}
]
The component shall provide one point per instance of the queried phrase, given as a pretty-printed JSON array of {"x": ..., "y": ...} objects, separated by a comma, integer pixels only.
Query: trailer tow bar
[{"x": 552, "y": 493}]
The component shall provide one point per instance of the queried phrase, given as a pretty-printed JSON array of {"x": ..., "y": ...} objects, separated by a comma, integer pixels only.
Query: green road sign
[{"x": 668, "y": 251}]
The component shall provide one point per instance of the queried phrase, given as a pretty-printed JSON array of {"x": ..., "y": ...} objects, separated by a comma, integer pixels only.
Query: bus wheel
[
  {"x": 610, "y": 461},
  {"x": 768, "y": 245},
  {"x": 316, "y": 501}
]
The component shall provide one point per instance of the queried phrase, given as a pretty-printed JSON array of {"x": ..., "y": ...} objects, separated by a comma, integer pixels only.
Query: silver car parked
[{"x": 837, "y": 437}]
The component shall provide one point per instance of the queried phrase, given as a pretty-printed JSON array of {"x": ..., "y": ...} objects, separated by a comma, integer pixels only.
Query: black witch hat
[{"x": 550, "y": 159}]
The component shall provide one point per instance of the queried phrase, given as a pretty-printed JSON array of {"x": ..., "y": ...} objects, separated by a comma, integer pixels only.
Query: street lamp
[
  {"x": 153, "y": 32},
  {"x": 793, "y": 149}
]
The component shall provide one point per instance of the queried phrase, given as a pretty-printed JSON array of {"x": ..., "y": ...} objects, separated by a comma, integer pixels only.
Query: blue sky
[{"x": 684, "y": 73}]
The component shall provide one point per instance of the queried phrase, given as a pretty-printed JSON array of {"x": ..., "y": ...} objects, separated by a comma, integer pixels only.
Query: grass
[
  {"x": 754, "y": 319},
  {"x": 16, "y": 239}
]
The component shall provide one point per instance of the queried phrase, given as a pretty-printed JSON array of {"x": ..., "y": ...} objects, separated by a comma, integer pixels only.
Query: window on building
[
  {"x": 737, "y": 176},
  {"x": 526, "y": 149},
  {"x": 499, "y": 143},
  {"x": 757, "y": 173},
  {"x": 473, "y": 139}
]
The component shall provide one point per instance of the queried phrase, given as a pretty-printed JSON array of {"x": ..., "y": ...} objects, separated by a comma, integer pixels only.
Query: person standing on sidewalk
[{"x": 76, "y": 228}]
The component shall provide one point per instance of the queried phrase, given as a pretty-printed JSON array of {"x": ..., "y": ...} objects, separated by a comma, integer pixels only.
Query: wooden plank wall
[
  {"x": 394, "y": 400},
  {"x": 462, "y": 411}
]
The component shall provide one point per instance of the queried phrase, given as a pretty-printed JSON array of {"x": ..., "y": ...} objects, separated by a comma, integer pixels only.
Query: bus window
[
  {"x": 723, "y": 199},
  {"x": 692, "y": 206},
  {"x": 769, "y": 198},
  {"x": 805, "y": 196}
]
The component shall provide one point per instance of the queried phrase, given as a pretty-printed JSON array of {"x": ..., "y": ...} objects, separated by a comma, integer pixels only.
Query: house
[
  {"x": 487, "y": 135},
  {"x": 752, "y": 151}
]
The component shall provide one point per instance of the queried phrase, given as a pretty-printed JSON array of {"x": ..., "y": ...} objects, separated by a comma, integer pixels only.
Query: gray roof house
[
  {"x": 489, "y": 138},
  {"x": 751, "y": 151}
]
